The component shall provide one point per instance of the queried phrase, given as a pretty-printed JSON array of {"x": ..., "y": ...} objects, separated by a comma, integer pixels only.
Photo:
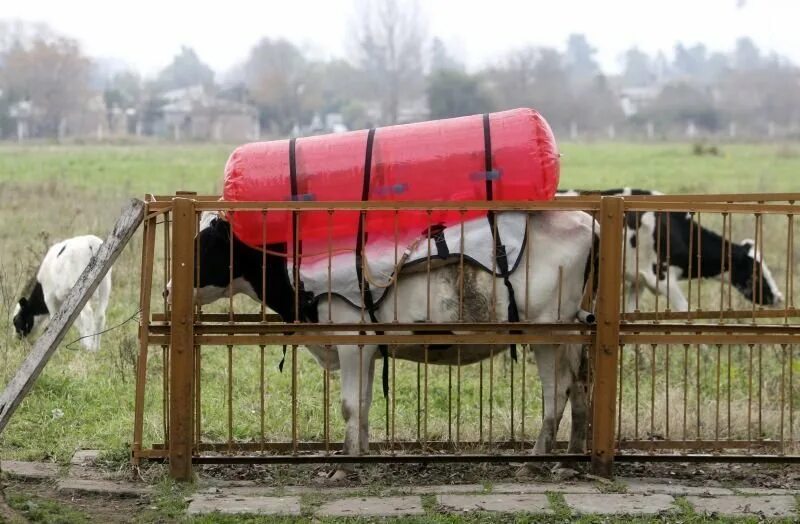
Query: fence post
[
  {"x": 607, "y": 340},
  {"x": 181, "y": 357}
]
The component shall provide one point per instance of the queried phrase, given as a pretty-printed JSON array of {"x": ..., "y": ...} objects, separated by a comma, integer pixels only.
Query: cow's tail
[{"x": 590, "y": 280}]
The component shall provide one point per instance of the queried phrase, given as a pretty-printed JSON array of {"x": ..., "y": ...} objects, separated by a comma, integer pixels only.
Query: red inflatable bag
[{"x": 442, "y": 160}]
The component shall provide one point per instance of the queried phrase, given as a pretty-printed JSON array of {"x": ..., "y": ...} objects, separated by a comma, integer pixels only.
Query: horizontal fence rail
[{"x": 692, "y": 356}]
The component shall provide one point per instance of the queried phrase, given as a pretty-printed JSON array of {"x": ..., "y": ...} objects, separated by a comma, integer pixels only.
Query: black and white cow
[
  {"x": 676, "y": 238},
  {"x": 562, "y": 243},
  {"x": 57, "y": 274}
]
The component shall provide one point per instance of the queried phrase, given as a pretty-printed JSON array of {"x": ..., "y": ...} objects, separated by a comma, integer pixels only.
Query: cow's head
[
  {"x": 23, "y": 318},
  {"x": 212, "y": 252},
  {"x": 30, "y": 312},
  {"x": 749, "y": 266}
]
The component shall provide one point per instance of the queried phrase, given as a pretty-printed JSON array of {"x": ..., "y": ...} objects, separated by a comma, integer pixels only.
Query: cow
[
  {"x": 562, "y": 243},
  {"x": 642, "y": 235},
  {"x": 46, "y": 292}
]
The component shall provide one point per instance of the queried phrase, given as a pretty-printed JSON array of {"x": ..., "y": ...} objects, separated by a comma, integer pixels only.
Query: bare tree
[
  {"x": 390, "y": 38},
  {"x": 51, "y": 74},
  {"x": 283, "y": 83}
]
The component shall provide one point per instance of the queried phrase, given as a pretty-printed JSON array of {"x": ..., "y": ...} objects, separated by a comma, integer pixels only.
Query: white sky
[{"x": 147, "y": 33}]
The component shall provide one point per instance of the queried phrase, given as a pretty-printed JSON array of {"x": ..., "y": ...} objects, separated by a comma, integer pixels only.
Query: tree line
[{"x": 396, "y": 72}]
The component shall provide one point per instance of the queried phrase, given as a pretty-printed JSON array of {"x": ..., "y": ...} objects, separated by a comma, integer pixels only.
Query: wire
[{"x": 136, "y": 314}]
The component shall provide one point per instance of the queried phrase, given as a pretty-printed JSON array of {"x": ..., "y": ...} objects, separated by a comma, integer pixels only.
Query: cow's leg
[
  {"x": 578, "y": 400},
  {"x": 556, "y": 379},
  {"x": 86, "y": 328},
  {"x": 357, "y": 367},
  {"x": 556, "y": 374},
  {"x": 677, "y": 301},
  {"x": 630, "y": 297}
]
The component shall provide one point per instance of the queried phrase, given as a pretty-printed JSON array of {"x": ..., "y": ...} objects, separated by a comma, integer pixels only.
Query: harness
[{"x": 307, "y": 306}]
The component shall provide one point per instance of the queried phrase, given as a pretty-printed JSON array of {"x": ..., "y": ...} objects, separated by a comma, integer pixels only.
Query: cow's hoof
[{"x": 561, "y": 473}]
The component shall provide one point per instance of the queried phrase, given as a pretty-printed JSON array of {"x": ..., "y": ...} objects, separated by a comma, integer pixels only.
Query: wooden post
[
  {"x": 181, "y": 356},
  {"x": 59, "y": 324},
  {"x": 607, "y": 342},
  {"x": 148, "y": 255}
]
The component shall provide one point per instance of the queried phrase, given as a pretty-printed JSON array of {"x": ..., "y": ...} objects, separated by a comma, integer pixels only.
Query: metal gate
[{"x": 666, "y": 385}]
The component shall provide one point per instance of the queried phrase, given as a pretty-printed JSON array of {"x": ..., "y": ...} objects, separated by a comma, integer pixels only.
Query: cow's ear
[{"x": 23, "y": 302}]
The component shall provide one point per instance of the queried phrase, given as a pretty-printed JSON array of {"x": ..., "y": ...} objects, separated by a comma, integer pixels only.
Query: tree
[
  {"x": 389, "y": 37},
  {"x": 690, "y": 63},
  {"x": 534, "y": 77},
  {"x": 579, "y": 59},
  {"x": 441, "y": 60},
  {"x": 186, "y": 70},
  {"x": 597, "y": 106},
  {"x": 281, "y": 81},
  {"x": 638, "y": 70},
  {"x": 52, "y": 75},
  {"x": 746, "y": 55},
  {"x": 681, "y": 103},
  {"x": 762, "y": 96},
  {"x": 454, "y": 93}
]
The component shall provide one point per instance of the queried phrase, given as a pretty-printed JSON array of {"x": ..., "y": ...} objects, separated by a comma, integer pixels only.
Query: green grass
[
  {"x": 51, "y": 192},
  {"x": 38, "y": 509}
]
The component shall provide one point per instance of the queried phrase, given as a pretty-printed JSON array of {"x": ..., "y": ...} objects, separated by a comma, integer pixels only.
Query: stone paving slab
[
  {"x": 207, "y": 483},
  {"x": 92, "y": 473},
  {"x": 737, "y": 506},
  {"x": 372, "y": 507},
  {"x": 637, "y": 487},
  {"x": 544, "y": 487},
  {"x": 202, "y": 504},
  {"x": 29, "y": 470},
  {"x": 619, "y": 504},
  {"x": 452, "y": 488},
  {"x": 507, "y": 503},
  {"x": 768, "y": 491},
  {"x": 103, "y": 487},
  {"x": 85, "y": 457}
]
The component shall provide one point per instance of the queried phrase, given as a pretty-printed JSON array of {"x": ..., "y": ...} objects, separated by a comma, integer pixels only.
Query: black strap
[
  {"x": 369, "y": 303},
  {"x": 500, "y": 249},
  {"x": 437, "y": 234},
  {"x": 297, "y": 246}
]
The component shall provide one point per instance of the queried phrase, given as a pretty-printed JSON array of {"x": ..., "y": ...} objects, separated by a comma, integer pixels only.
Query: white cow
[{"x": 58, "y": 273}]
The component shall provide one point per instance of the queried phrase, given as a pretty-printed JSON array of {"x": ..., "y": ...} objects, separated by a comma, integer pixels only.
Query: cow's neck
[
  {"x": 36, "y": 300},
  {"x": 279, "y": 291}
]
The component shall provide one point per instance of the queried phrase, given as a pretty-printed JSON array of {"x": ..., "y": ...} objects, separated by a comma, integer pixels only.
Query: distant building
[
  {"x": 635, "y": 99},
  {"x": 194, "y": 114}
]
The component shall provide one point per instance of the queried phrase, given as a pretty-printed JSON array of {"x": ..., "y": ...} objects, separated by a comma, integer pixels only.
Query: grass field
[{"x": 85, "y": 400}]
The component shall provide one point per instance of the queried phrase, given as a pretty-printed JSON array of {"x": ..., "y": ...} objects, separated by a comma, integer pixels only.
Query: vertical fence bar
[
  {"x": 607, "y": 342},
  {"x": 229, "y": 396},
  {"x": 181, "y": 357}
]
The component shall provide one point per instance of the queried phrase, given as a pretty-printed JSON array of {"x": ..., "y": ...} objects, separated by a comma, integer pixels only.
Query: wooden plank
[
  {"x": 148, "y": 255},
  {"x": 181, "y": 351},
  {"x": 60, "y": 323}
]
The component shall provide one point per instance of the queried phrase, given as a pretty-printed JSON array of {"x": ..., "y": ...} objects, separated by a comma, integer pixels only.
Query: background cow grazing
[
  {"x": 553, "y": 292},
  {"x": 57, "y": 274},
  {"x": 642, "y": 238}
]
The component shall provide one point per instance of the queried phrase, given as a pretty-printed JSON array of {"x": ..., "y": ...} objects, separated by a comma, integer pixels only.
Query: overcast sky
[{"x": 147, "y": 33}]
